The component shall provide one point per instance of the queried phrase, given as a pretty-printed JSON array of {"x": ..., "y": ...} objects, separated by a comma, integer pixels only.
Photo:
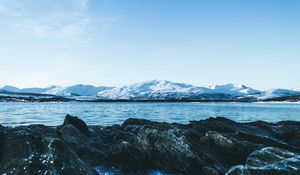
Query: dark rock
[
  {"x": 78, "y": 123},
  {"x": 1, "y": 141},
  {"x": 169, "y": 149},
  {"x": 37, "y": 150},
  {"x": 71, "y": 133},
  {"x": 269, "y": 160},
  {"x": 81, "y": 145},
  {"x": 208, "y": 147}
]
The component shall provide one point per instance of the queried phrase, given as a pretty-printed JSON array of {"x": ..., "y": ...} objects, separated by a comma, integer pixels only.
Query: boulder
[
  {"x": 78, "y": 123},
  {"x": 269, "y": 160},
  {"x": 81, "y": 145}
]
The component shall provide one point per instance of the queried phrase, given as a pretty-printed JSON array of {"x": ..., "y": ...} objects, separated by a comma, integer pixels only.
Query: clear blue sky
[{"x": 118, "y": 42}]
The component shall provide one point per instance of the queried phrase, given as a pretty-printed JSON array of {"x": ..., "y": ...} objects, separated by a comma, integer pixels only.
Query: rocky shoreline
[{"x": 213, "y": 146}]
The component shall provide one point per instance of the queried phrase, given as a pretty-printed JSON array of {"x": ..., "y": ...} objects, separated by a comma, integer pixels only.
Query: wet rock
[
  {"x": 207, "y": 147},
  {"x": 219, "y": 139},
  {"x": 125, "y": 155},
  {"x": 269, "y": 160},
  {"x": 81, "y": 145},
  {"x": 36, "y": 149},
  {"x": 78, "y": 123},
  {"x": 72, "y": 134},
  {"x": 167, "y": 148},
  {"x": 1, "y": 141}
]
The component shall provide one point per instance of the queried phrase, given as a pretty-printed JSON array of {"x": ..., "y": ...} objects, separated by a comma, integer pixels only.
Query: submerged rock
[{"x": 208, "y": 147}]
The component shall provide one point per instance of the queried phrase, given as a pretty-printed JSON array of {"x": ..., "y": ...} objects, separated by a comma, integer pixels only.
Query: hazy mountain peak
[
  {"x": 77, "y": 90},
  {"x": 10, "y": 88},
  {"x": 279, "y": 92},
  {"x": 296, "y": 89}
]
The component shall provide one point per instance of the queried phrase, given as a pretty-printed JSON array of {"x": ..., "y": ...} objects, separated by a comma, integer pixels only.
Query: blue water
[{"x": 12, "y": 114}]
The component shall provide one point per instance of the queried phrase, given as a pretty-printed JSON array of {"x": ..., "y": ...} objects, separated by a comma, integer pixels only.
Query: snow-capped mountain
[
  {"x": 26, "y": 90},
  {"x": 296, "y": 89},
  {"x": 161, "y": 90},
  {"x": 276, "y": 93},
  {"x": 234, "y": 90},
  {"x": 36, "y": 90},
  {"x": 77, "y": 90},
  {"x": 157, "y": 89},
  {"x": 10, "y": 88},
  {"x": 154, "y": 89}
]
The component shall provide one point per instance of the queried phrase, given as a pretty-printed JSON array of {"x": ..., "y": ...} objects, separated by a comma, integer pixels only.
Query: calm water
[{"x": 114, "y": 113}]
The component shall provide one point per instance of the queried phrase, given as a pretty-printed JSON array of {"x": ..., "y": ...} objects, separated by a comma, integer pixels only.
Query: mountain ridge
[{"x": 158, "y": 90}]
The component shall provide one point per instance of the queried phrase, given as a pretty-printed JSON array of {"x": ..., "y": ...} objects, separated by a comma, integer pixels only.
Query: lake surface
[{"x": 12, "y": 114}]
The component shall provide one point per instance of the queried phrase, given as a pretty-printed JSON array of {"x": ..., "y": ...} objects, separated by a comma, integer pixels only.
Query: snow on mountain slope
[
  {"x": 275, "y": 93},
  {"x": 165, "y": 89},
  {"x": 154, "y": 89},
  {"x": 26, "y": 90},
  {"x": 233, "y": 90},
  {"x": 76, "y": 90},
  {"x": 36, "y": 90},
  {"x": 157, "y": 90},
  {"x": 296, "y": 89},
  {"x": 10, "y": 88}
]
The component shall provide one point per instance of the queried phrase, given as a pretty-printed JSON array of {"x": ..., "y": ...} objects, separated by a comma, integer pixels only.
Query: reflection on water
[{"x": 114, "y": 113}]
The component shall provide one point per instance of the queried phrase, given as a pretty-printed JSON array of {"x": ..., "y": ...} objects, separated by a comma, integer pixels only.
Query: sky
[{"x": 119, "y": 42}]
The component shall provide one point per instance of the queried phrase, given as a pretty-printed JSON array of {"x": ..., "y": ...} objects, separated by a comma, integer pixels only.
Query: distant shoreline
[{"x": 64, "y": 99}]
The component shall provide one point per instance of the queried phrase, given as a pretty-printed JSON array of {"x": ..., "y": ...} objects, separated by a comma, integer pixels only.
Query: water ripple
[{"x": 13, "y": 114}]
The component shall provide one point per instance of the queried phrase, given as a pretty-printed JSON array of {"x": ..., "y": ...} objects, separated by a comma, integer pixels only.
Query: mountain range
[{"x": 160, "y": 90}]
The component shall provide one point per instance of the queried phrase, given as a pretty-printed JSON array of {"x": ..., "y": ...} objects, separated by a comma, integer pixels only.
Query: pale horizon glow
[{"x": 121, "y": 42}]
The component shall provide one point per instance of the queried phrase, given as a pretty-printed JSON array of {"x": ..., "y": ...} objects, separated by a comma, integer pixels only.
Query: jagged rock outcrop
[
  {"x": 78, "y": 123},
  {"x": 209, "y": 147},
  {"x": 36, "y": 150}
]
